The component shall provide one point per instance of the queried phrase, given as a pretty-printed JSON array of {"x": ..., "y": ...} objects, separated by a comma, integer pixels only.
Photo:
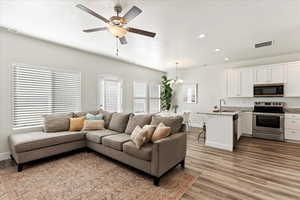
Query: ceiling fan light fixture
[{"x": 117, "y": 31}]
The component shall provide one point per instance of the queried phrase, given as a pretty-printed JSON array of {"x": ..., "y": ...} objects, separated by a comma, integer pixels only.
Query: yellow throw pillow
[
  {"x": 91, "y": 125},
  {"x": 76, "y": 124},
  {"x": 161, "y": 132}
]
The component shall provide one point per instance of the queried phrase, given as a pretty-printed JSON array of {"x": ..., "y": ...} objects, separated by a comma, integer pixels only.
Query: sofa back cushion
[
  {"x": 118, "y": 122},
  {"x": 106, "y": 117},
  {"x": 175, "y": 123},
  {"x": 137, "y": 120},
  {"x": 57, "y": 122}
]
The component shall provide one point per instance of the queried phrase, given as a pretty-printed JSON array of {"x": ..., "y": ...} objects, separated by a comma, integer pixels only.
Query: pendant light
[{"x": 177, "y": 79}]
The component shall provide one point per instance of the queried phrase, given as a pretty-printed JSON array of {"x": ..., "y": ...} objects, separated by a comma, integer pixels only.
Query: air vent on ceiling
[{"x": 264, "y": 44}]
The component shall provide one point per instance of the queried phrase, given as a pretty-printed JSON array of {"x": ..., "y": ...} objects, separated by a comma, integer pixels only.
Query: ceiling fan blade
[
  {"x": 123, "y": 40},
  {"x": 141, "y": 32},
  {"x": 94, "y": 29},
  {"x": 85, "y": 9},
  {"x": 132, "y": 13}
]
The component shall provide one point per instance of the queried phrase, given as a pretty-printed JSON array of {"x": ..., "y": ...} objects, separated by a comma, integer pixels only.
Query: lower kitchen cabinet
[
  {"x": 245, "y": 124},
  {"x": 292, "y": 127}
]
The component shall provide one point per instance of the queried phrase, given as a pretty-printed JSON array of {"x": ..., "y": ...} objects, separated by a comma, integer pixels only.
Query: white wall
[
  {"x": 210, "y": 87},
  {"x": 22, "y": 49},
  {"x": 212, "y": 84}
]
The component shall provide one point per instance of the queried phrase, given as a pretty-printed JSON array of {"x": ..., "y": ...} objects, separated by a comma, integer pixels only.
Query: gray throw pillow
[
  {"x": 106, "y": 116},
  {"x": 137, "y": 120},
  {"x": 57, "y": 122},
  {"x": 174, "y": 122},
  {"x": 118, "y": 122}
]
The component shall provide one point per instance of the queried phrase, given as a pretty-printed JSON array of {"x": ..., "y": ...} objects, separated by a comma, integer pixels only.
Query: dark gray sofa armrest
[{"x": 168, "y": 152}]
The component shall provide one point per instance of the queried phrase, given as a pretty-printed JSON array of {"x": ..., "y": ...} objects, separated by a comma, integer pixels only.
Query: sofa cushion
[
  {"x": 57, "y": 122},
  {"x": 96, "y": 136},
  {"x": 92, "y": 125},
  {"x": 36, "y": 140},
  {"x": 116, "y": 141},
  {"x": 174, "y": 122},
  {"x": 106, "y": 116},
  {"x": 137, "y": 120},
  {"x": 118, "y": 122},
  {"x": 76, "y": 124},
  {"x": 83, "y": 114},
  {"x": 144, "y": 153}
]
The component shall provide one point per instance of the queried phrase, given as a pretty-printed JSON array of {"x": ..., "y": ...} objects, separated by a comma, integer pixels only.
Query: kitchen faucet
[{"x": 220, "y": 104}]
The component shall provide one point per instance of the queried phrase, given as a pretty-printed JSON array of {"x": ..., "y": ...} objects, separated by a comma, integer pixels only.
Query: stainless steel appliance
[
  {"x": 268, "y": 120},
  {"x": 269, "y": 90}
]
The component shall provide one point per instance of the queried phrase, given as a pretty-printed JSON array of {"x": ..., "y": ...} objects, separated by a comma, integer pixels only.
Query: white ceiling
[{"x": 231, "y": 25}]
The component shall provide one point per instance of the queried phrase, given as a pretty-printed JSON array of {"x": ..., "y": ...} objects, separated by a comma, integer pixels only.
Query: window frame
[
  {"x": 148, "y": 97},
  {"x": 12, "y": 91},
  {"x": 101, "y": 90}
]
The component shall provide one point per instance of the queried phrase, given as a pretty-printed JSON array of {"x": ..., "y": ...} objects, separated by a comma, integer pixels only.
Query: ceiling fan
[{"x": 117, "y": 24}]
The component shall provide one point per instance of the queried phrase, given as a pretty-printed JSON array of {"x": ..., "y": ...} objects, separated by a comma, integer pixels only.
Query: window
[
  {"x": 38, "y": 91},
  {"x": 144, "y": 102},
  {"x": 112, "y": 95},
  {"x": 140, "y": 97},
  {"x": 154, "y": 98}
]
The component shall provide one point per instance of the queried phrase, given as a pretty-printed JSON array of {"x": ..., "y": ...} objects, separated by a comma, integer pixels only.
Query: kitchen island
[{"x": 221, "y": 129}]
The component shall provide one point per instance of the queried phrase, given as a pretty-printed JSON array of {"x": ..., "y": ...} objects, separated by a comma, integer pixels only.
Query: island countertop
[{"x": 219, "y": 113}]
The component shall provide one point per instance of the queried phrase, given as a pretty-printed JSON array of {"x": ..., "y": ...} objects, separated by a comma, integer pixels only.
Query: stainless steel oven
[
  {"x": 268, "y": 120},
  {"x": 269, "y": 90}
]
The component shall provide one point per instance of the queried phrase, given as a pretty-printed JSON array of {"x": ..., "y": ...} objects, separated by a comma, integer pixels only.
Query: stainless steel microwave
[{"x": 269, "y": 90}]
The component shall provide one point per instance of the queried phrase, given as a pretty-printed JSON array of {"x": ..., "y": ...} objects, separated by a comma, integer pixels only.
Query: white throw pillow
[{"x": 139, "y": 136}]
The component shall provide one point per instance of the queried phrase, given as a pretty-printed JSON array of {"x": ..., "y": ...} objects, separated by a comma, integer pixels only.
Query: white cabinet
[
  {"x": 246, "y": 123},
  {"x": 292, "y": 127},
  {"x": 262, "y": 75},
  {"x": 233, "y": 83},
  {"x": 240, "y": 82},
  {"x": 246, "y": 81},
  {"x": 292, "y": 88},
  {"x": 270, "y": 74}
]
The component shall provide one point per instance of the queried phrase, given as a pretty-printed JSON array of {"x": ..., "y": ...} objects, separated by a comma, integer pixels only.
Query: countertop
[{"x": 220, "y": 113}]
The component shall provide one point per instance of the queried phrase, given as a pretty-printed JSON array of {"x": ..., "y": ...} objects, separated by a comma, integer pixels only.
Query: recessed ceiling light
[
  {"x": 201, "y": 36},
  {"x": 217, "y": 50},
  {"x": 226, "y": 59}
]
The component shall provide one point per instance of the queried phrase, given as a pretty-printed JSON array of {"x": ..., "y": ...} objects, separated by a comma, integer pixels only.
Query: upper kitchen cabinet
[
  {"x": 270, "y": 74},
  {"x": 292, "y": 88},
  {"x": 240, "y": 82}
]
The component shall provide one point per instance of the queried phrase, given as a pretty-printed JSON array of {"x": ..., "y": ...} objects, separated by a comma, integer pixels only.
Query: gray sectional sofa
[{"x": 153, "y": 158}]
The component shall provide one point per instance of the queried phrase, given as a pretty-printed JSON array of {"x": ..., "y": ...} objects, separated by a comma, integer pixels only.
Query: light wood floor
[{"x": 258, "y": 169}]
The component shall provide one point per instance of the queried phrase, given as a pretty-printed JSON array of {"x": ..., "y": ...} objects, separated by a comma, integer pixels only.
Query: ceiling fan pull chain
[{"x": 117, "y": 47}]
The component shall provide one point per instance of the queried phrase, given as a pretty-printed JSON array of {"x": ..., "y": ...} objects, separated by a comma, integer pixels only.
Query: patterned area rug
[{"x": 89, "y": 176}]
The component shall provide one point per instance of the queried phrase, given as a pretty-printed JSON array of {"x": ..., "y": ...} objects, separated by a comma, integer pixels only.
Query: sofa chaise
[{"x": 114, "y": 141}]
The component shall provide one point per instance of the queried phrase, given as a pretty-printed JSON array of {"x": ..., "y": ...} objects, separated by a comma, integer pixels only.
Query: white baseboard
[
  {"x": 219, "y": 146},
  {"x": 4, "y": 156}
]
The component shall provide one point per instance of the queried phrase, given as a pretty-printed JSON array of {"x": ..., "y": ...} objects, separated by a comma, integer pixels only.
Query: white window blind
[
  {"x": 154, "y": 99},
  {"x": 112, "y": 95},
  {"x": 38, "y": 91},
  {"x": 140, "y": 97}
]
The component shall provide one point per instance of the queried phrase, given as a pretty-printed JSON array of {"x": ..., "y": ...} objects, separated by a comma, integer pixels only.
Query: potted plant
[{"x": 166, "y": 93}]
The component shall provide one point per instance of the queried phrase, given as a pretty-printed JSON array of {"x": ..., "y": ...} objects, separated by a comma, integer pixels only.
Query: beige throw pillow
[
  {"x": 150, "y": 130},
  {"x": 160, "y": 132},
  {"x": 139, "y": 136},
  {"x": 91, "y": 125}
]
